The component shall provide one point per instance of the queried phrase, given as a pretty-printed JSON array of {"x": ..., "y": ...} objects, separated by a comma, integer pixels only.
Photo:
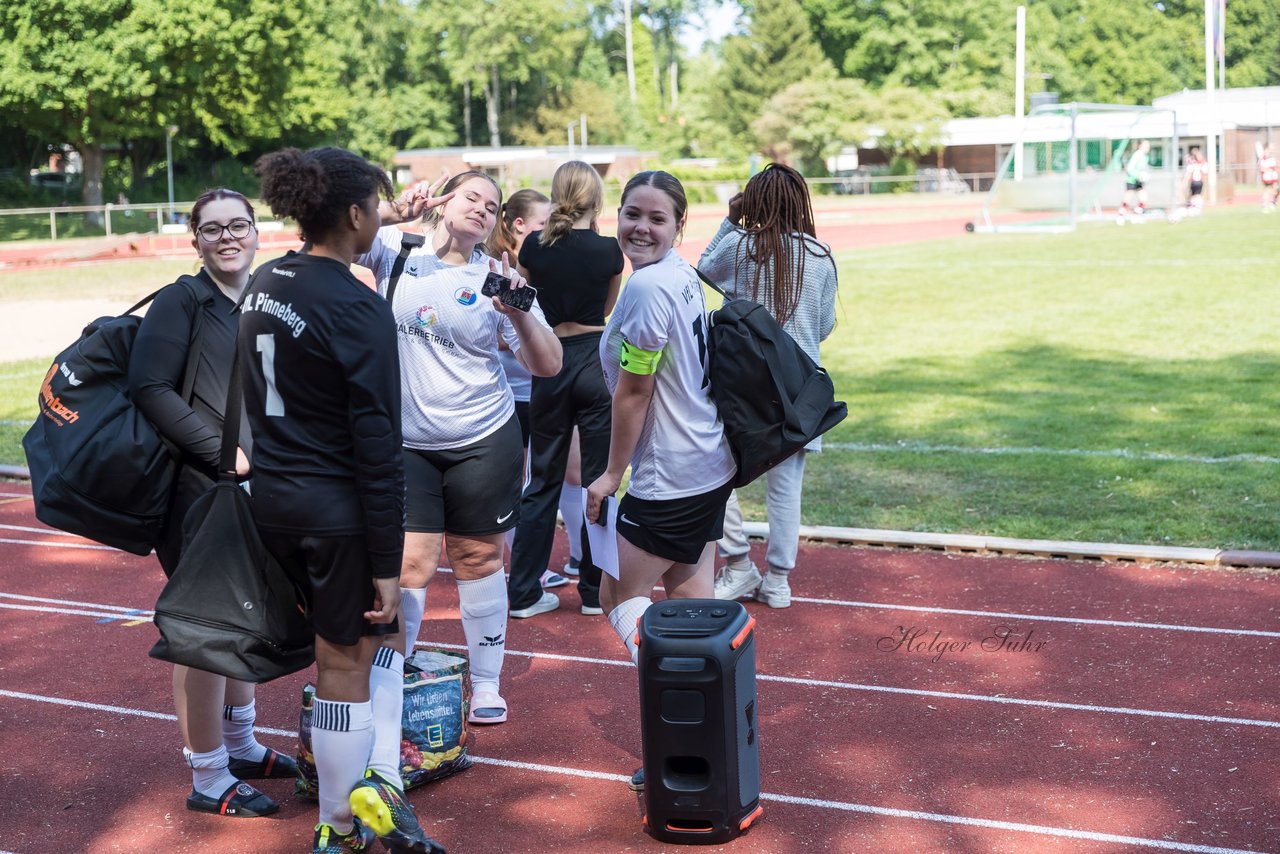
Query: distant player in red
[{"x": 1270, "y": 179}]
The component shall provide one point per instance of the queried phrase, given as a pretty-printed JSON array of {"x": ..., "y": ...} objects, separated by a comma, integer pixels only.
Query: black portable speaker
[{"x": 698, "y": 720}]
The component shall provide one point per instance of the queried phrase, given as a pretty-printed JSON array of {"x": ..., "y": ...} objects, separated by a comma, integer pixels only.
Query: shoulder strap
[
  {"x": 231, "y": 422},
  {"x": 191, "y": 283},
  {"x": 712, "y": 284},
  {"x": 408, "y": 243}
]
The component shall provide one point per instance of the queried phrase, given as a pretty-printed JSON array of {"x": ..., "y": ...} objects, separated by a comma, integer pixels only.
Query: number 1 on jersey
[
  {"x": 267, "y": 347},
  {"x": 702, "y": 349}
]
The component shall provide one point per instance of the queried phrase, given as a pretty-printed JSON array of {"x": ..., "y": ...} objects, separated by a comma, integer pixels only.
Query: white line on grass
[
  {"x": 1114, "y": 453},
  {"x": 1085, "y": 621},
  {"x": 817, "y": 803},
  {"x": 116, "y": 612}
]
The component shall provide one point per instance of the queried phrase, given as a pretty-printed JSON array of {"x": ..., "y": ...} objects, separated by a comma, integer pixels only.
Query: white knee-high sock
[
  {"x": 341, "y": 738},
  {"x": 209, "y": 774},
  {"x": 413, "y": 601},
  {"x": 237, "y": 732},
  {"x": 386, "y": 697},
  {"x": 624, "y": 620},
  {"x": 571, "y": 510},
  {"x": 483, "y": 604}
]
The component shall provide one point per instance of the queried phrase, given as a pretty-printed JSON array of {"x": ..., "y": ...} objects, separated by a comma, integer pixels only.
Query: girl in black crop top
[{"x": 577, "y": 273}]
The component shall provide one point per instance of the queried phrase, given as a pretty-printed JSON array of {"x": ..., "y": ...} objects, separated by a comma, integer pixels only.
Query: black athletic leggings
[{"x": 575, "y": 396}]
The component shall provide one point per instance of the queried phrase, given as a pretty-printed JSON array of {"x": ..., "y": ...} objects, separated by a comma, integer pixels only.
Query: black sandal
[
  {"x": 274, "y": 765},
  {"x": 240, "y": 800}
]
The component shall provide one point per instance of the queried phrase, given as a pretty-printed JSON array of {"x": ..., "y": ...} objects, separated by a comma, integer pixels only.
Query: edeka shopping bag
[{"x": 433, "y": 738}]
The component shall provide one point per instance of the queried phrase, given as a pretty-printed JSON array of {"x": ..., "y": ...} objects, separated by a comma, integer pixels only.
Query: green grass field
[
  {"x": 1113, "y": 385},
  {"x": 994, "y": 383}
]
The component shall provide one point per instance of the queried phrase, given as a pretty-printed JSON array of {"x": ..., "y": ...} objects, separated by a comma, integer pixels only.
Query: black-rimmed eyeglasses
[{"x": 212, "y": 232}]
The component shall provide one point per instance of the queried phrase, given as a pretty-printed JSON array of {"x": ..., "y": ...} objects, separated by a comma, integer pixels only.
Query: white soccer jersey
[
  {"x": 682, "y": 450},
  {"x": 452, "y": 386}
]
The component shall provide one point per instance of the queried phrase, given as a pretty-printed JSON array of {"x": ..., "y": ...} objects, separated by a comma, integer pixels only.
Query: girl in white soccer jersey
[
  {"x": 665, "y": 424},
  {"x": 464, "y": 457}
]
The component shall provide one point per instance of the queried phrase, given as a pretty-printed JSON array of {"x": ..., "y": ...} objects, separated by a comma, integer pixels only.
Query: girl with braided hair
[{"x": 766, "y": 250}]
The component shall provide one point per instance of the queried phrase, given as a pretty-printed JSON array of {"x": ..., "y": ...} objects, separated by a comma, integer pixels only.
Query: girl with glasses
[{"x": 215, "y": 714}]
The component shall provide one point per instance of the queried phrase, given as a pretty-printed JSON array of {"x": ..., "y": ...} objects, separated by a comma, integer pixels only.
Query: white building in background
[{"x": 1238, "y": 117}]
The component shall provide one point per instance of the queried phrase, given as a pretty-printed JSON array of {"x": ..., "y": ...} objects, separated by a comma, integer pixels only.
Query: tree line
[{"x": 795, "y": 81}]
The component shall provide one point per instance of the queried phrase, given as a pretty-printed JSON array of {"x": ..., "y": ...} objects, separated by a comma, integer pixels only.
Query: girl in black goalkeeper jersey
[{"x": 322, "y": 393}]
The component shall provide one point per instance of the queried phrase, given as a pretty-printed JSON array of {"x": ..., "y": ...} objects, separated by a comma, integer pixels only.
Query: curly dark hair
[{"x": 316, "y": 187}]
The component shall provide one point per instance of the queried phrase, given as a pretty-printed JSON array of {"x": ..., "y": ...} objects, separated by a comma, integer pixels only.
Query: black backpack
[
  {"x": 772, "y": 398},
  {"x": 98, "y": 467}
]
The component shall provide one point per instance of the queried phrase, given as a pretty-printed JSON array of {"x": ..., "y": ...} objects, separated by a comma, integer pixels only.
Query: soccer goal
[{"x": 1067, "y": 166}]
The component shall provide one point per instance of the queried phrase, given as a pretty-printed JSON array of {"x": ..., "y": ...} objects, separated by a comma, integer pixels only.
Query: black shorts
[
  {"x": 334, "y": 575},
  {"x": 1133, "y": 185},
  {"x": 522, "y": 414},
  {"x": 677, "y": 529},
  {"x": 1197, "y": 187},
  {"x": 473, "y": 490}
]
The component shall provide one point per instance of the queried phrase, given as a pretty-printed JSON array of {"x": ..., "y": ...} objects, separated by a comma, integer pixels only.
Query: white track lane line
[
  {"x": 60, "y": 545},
  {"x": 51, "y": 531},
  {"x": 792, "y": 800},
  {"x": 1084, "y": 621},
  {"x": 115, "y": 612},
  {"x": 915, "y": 692}
]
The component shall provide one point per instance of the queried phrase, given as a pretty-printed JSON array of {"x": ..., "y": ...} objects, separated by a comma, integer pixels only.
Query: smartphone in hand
[{"x": 500, "y": 286}]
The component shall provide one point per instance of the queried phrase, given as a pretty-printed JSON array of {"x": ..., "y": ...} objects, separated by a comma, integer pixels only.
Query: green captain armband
[{"x": 633, "y": 360}]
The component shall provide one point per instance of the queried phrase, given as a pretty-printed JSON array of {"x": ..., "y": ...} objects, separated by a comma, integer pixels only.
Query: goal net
[{"x": 1067, "y": 166}]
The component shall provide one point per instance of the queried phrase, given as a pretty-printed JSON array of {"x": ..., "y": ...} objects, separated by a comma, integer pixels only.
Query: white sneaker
[
  {"x": 548, "y": 602},
  {"x": 775, "y": 590},
  {"x": 571, "y": 568},
  {"x": 736, "y": 582}
]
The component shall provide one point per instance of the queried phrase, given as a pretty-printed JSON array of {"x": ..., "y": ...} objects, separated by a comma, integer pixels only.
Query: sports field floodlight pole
[
  {"x": 1073, "y": 166},
  {"x": 170, "y": 132},
  {"x": 1210, "y": 143},
  {"x": 1019, "y": 86},
  {"x": 631, "y": 63}
]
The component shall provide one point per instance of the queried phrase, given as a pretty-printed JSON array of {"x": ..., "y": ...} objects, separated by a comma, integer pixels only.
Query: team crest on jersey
[
  {"x": 427, "y": 316},
  {"x": 465, "y": 296}
]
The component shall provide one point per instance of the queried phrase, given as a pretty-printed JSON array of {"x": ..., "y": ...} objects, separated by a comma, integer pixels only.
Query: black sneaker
[
  {"x": 240, "y": 800},
  {"x": 330, "y": 841},
  {"x": 381, "y": 807},
  {"x": 636, "y": 783}
]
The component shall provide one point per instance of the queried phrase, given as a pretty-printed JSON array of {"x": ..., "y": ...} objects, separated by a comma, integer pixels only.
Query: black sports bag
[
  {"x": 98, "y": 467},
  {"x": 772, "y": 398},
  {"x": 229, "y": 607}
]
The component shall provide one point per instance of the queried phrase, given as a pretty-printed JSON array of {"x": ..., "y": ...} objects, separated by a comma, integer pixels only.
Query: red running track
[{"x": 1147, "y": 719}]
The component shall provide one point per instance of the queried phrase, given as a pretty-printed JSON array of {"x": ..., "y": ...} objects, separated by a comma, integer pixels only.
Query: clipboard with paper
[{"x": 603, "y": 539}]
